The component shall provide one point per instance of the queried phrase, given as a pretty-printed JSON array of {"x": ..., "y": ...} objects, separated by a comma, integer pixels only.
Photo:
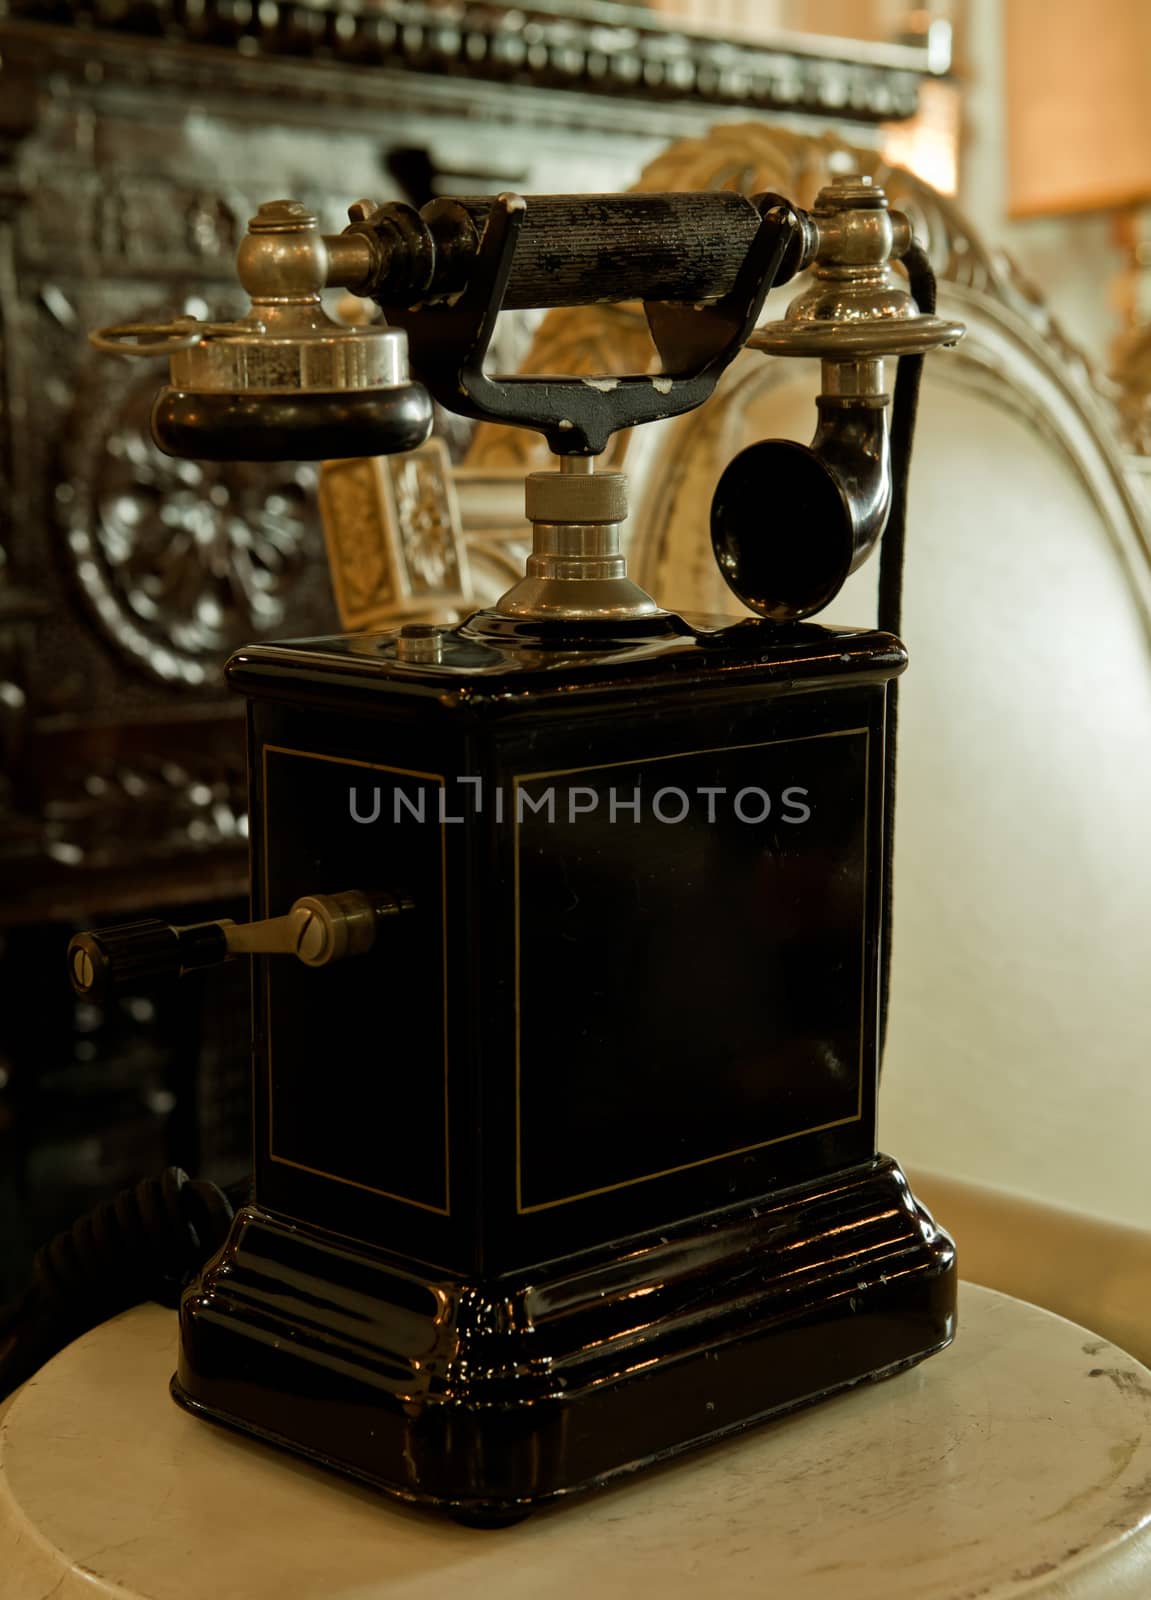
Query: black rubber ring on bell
[{"x": 291, "y": 427}]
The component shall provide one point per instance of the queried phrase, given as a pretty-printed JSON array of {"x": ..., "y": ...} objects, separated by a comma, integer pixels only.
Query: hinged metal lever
[
  {"x": 165, "y": 338},
  {"x": 319, "y": 929}
]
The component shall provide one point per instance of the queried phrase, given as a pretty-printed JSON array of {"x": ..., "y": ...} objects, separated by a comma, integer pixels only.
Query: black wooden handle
[
  {"x": 572, "y": 249},
  {"x": 135, "y": 956}
]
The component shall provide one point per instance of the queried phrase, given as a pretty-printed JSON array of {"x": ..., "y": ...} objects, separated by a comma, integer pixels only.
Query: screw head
[
  {"x": 850, "y": 191},
  {"x": 420, "y": 641},
  {"x": 312, "y": 941},
  {"x": 280, "y": 216},
  {"x": 361, "y": 210},
  {"x": 83, "y": 970}
]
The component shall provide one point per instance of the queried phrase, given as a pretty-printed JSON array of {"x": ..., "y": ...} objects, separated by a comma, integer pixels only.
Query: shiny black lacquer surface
[
  {"x": 503, "y": 1394},
  {"x": 577, "y": 1167}
]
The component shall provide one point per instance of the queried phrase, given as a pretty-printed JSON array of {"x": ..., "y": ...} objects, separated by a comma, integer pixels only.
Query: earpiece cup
[{"x": 781, "y": 529}]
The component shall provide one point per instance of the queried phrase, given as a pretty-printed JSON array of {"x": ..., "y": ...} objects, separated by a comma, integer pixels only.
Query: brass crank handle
[{"x": 317, "y": 930}]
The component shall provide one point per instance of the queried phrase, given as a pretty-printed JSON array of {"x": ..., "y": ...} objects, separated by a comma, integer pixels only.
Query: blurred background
[{"x": 136, "y": 137}]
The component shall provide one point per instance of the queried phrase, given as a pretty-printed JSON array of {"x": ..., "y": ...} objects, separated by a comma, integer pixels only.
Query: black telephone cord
[
  {"x": 144, "y": 1243},
  {"x": 890, "y": 606}
]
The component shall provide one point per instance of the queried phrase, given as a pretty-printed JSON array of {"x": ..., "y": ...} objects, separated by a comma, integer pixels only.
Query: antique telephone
[{"x": 565, "y": 1111}]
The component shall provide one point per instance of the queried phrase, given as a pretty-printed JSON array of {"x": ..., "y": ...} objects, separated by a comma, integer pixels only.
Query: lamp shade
[{"x": 1078, "y": 85}]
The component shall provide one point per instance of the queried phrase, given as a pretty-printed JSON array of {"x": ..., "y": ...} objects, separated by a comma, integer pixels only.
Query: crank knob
[
  {"x": 139, "y": 955},
  {"x": 133, "y": 955}
]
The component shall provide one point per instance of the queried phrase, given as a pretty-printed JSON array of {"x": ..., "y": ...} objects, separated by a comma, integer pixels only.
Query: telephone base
[{"x": 488, "y": 1398}]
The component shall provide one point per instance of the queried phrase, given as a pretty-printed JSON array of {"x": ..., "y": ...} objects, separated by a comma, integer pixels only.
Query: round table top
[{"x": 1017, "y": 1463}]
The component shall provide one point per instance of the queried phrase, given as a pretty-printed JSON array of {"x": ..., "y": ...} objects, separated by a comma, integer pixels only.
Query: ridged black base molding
[{"x": 495, "y": 1396}]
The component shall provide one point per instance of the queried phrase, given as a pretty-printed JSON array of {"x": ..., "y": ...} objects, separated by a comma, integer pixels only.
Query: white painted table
[{"x": 1016, "y": 1464}]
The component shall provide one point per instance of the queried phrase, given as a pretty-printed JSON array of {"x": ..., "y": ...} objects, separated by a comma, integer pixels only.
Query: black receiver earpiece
[{"x": 787, "y": 526}]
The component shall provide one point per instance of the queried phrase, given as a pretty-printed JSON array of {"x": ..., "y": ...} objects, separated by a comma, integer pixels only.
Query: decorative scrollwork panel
[{"x": 179, "y": 562}]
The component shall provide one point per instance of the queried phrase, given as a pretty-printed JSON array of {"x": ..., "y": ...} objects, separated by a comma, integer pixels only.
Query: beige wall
[
  {"x": 1073, "y": 260},
  {"x": 847, "y": 19}
]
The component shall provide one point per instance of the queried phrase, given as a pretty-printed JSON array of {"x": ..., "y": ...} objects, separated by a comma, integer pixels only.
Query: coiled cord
[
  {"x": 145, "y": 1243},
  {"x": 921, "y": 281}
]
